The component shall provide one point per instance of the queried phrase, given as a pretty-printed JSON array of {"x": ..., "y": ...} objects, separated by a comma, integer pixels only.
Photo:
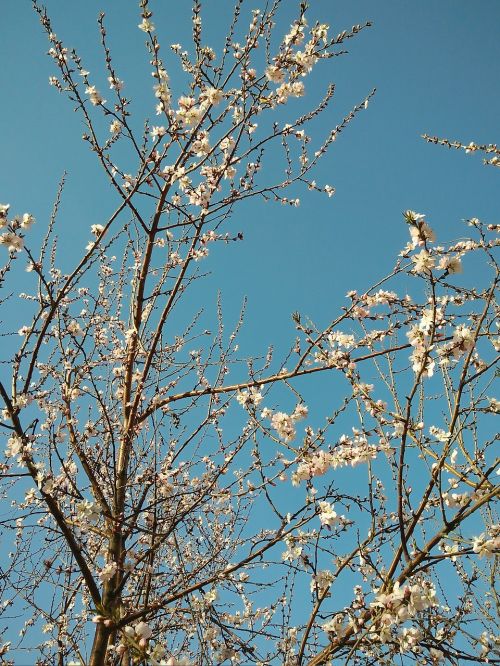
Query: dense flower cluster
[{"x": 13, "y": 238}]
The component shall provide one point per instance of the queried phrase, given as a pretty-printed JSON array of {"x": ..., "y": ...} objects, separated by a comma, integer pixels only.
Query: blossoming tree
[{"x": 144, "y": 526}]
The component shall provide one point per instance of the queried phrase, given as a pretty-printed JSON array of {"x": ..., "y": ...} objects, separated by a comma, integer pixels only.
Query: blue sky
[{"x": 436, "y": 67}]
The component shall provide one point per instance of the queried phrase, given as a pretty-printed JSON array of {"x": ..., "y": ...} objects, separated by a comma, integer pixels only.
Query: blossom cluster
[
  {"x": 350, "y": 451},
  {"x": 284, "y": 423},
  {"x": 13, "y": 238},
  {"x": 390, "y": 610},
  {"x": 426, "y": 259}
]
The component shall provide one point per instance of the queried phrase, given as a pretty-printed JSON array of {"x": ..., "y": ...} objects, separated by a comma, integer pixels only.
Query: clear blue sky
[{"x": 436, "y": 67}]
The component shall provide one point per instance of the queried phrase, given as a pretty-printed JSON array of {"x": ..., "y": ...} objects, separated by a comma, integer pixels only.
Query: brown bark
[{"x": 99, "y": 647}]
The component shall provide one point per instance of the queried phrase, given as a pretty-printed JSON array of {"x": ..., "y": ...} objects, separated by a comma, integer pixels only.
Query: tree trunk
[{"x": 98, "y": 654}]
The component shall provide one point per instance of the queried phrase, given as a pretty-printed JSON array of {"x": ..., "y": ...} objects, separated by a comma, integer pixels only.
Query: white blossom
[
  {"x": 146, "y": 25},
  {"x": 327, "y": 515},
  {"x": 108, "y": 571},
  {"x": 14, "y": 446},
  {"x": 248, "y": 397},
  {"x": 12, "y": 242},
  {"x": 94, "y": 95},
  {"x": 424, "y": 262},
  {"x": 483, "y": 546}
]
